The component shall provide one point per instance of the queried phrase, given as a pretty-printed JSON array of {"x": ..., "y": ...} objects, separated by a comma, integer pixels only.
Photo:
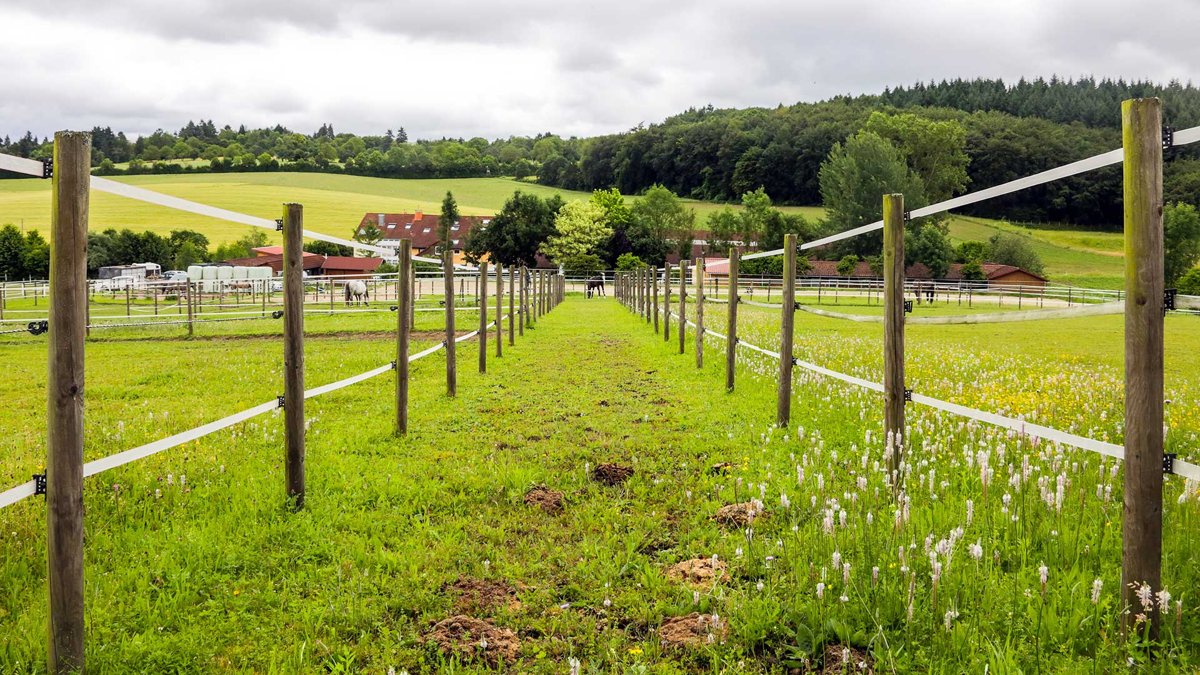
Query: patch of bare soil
[
  {"x": 481, "y": 596},
  {"x": 470, "y": 638},
  {"x": 740, "y": 515},
  {"x": 611, "y": 474},
  {"x": 550, "y": 501},
  {"x": 693, "y": 630},
  {"x": 843, "y": 659},
  {"x": 697, "y": 571}
]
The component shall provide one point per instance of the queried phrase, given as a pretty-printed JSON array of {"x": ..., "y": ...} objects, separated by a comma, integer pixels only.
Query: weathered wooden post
[
  {"x": 1141, "y": 551},
  {"x": 893, "y": 332},
  {"x": 521, "y": 320},
  {"x": 293, "y": 350},
  {"x": 512, "y": 293},
  {"x": 481, "y": 290},
  {"x": 654, "y": 299},
  {"x": 731, "y": 320},
  {"x": 64, "y": 417},
  {"x": 451, "y": 364},
  {"x": 666, "y": 302},
  {"x": 683, "y": 270},
  {"x": 648, "y": 303},
  {"x": 499, "y": 310},
  {"x": 787, "y": 324},
  {"x": 403, "y": 328},
  {"x": 700, "y": 313},
  {"x": 190, "y": 310}
]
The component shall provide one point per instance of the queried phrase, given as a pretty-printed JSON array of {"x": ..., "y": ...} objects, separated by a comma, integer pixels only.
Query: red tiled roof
[
  {"x": 421, "y": 228},
  {"x": 347, "y": 263},
  {"x": 269, "y": 250}
]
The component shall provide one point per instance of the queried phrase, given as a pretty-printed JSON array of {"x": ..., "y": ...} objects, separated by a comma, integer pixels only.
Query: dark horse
[{"x": 595, "y": 285}]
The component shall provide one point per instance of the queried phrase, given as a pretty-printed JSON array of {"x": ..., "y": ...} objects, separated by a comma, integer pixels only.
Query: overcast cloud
[{"x": 493, "y": 69}]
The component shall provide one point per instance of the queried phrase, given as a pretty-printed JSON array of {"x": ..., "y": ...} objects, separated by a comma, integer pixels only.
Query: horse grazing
[
  {"x": 357, "y": 290},
  {"x": 596, "y": 285}
]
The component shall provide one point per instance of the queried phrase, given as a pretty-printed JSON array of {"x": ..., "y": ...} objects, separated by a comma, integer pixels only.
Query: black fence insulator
[
  {"x": 395, "y": 307},
  {"x": 39, "y": 484},
  {"x": 908, "y": 216},
  {"x": 47, "y": 168},
  {"x": 1169, "y": 299},
  {"x": 279, "y": 401},
  {"x": 393, "y": 364},
  {"x": 277, "y": 314},
  {"x": 908, "y": 394},
  {"x": 1168, "y": 137},
  {"x": 279, "y": 224},
  {"x": 908, "y": 306},
  {"x": 1169, "y": 462},
  {"x": 38, "y": 327},
  {"x": 795, "y": 361},
  {"x": 795, "y": 307}
]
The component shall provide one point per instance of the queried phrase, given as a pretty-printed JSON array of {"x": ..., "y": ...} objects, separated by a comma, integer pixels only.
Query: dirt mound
[
  {"x": 481, "y": 596},
  {"x": 697, "y": 571},
  {"x": 550, "y": 501},
  {"x": 611, "y": 474},
  {"x": 693, "y": 630},
  {"x": 470, "y": 638},
  {"x": 741, "y": 514},
  {"x": 842, "y": 659}
]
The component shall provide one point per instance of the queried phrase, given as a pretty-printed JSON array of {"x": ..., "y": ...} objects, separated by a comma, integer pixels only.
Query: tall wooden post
[
  {"x": 893, "y": 331},
  {"x": 403, "y": 328},
  {"x": 523, "y": 282},
  {"x": 481, "y": 289},
  {"x": 451, "y": 351},
  {"x": 654, "y": 300},
  {"x": 1141, "y": 559},
  {"x": 293, "y": 349},
  {"x": 190, "y": 309},
  {"x": 731, "y": 320},
  {"x": 783, "y": 415},
  {"x": 683, "y": 270},
  {"x": 64, "y": 405},
  {"x": 499, "y": 309},
  {"x": 512, "y": 292},
  {"x": 666, "y": 302},
  {"x": 700, "y": 313}
]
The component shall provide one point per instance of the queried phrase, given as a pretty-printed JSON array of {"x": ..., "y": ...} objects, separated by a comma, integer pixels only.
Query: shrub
[
  {"x": 1189, "y": 284},
  {"x": 1015, "y": 250}
]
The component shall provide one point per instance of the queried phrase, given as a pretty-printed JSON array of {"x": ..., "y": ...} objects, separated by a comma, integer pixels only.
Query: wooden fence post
[
  {"x": 787, "y": 324},
  {"x": 451, "y": 352},
  {"x": 64, "y": 420},
  {"x": 683, "y": 269},
  {"x": 190, "y": 309},
  {"x": 512, "y": 293},
  {"x": 654, "y": 300},
  {"x": 700, "y": 313},
  {"x": 403, "y": 327},
  {"x": 499, "y": 310},
  {"x": 666, "y": 302},
  {"x": 731, "y": 322},
  {"x": 893, "y": 333},
  {"x": 1141, "y": 552},
  {"x": 481, "y": 290},
  {"x": 524, "y": 311},
  {"x": 293, "y": 349}
]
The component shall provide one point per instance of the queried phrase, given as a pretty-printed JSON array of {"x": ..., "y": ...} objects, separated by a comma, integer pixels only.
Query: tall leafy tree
[
  {"x": 660, "y": 223},
  {"x": 13, "y": 248},
  {"x": 516, "y": 233},
  {"x": 935, "y": 150},
  {"x": 448, "y": 218},
  {"x": 580, "y": 227},
  {"x": 853, "y": 181},
  {"x": 1181, "y": 240}
]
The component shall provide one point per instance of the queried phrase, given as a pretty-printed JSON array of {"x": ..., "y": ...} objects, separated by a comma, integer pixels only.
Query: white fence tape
[
  {"x": 1181, "y": 468},
  {"x": 16, "y": 494},
  {"x": 993, "y": 317}
]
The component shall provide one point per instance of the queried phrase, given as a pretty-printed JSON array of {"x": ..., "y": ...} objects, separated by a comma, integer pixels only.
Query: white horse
[{"x": 358, "y": 291}]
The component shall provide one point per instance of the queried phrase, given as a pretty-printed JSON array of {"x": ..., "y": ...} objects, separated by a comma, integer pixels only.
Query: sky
[{"x": 519, "y": 67}]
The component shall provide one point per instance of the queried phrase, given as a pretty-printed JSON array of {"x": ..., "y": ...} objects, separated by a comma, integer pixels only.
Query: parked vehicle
[
  {"x": 175, "y": 275},
  {"x": 119, "y": 283}
]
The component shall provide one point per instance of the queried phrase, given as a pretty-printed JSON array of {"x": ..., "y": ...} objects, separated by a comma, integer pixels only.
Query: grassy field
[
  {"x": 194, "y": 564},
  {"x": 1071, "y": 256},
  {"x": 333, "y": 204}
]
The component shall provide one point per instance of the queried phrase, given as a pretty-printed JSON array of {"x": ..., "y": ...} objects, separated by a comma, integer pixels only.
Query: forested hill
[{"x": 1009, "y": 132}]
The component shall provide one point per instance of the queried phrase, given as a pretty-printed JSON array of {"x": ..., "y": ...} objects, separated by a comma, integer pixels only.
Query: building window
[{"x": 426, "y": 230}]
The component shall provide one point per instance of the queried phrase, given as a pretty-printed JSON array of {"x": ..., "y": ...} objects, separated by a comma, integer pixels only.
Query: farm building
[
  {"x": 315, "y": 264},
  {"x": 422, "y": 229},
  {"x": 994, "y": 273}
]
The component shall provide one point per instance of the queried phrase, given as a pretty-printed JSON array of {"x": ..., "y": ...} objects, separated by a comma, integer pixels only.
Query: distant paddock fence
[
  {"x": 70, "y": 296},
  {"x": 1144, "y": 302}
]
